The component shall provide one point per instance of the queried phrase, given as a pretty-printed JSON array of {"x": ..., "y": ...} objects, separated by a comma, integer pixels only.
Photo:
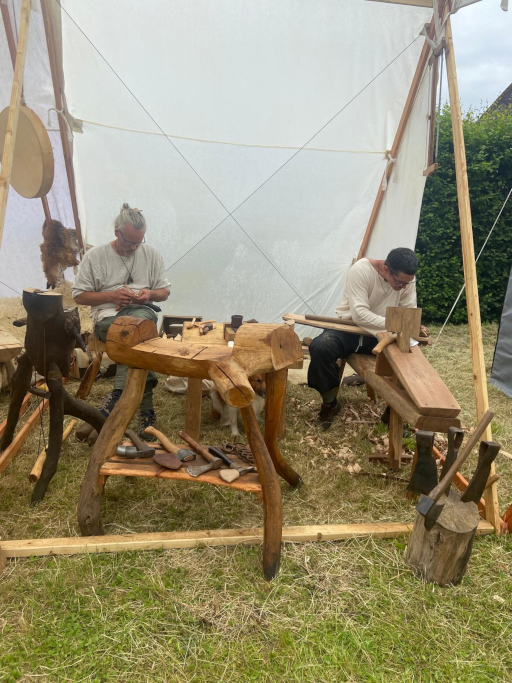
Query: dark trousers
[{"x": 326, "y": 349}]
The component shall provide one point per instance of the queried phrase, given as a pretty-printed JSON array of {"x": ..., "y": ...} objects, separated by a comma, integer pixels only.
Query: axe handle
[
  {"x": 471, "y": 443},
  {"x": 138, "y": 443},
  {"x": 169, "y": 447},
  {"x": 200, "y": 450}
]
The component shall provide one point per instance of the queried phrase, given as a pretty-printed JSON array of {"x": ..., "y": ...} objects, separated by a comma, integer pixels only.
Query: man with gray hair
[{"x": 100, "y": 284}]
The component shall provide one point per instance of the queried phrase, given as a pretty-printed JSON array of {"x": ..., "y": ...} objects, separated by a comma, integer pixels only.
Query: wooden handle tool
[
  {"x": 427, "y": 504},
  {"x": 183, "y": 454}
]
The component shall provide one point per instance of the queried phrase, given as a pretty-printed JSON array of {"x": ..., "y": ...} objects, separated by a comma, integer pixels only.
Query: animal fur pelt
[{"x": 58, "y": 251}]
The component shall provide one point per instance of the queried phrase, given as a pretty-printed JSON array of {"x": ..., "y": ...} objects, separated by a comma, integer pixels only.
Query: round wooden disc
[{"x": 33, "y": 165}]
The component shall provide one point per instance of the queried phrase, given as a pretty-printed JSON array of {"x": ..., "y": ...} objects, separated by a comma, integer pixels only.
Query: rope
[
  {"x": 464, "y": 285},
  {"x": 226, "y": 142},
  {"x": 230, "y": 213}
]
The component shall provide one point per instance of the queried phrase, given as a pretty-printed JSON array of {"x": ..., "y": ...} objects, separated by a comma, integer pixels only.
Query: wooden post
[
  {"x": 468, "y": 257},
  {"x": 14, "y": 110},
  {"x": 58, "y": 89},
  {"x": 193, "y": 405},
  {"x": 400, "y": 131}
]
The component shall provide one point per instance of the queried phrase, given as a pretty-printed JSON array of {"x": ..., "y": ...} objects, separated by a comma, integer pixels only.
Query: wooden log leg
[
  {"x": 370, "y": 393},
  {"x": 20, "y": 386},
  {"x": 87, "y": 413},
  {"x": 89, "y": 501},
  {"x": 272, "y": 501},
  {"x": 396, "y": 433},
  {"x": 282, "y": 425},
  {"x": 90, "y": 375},
  {"x": 193, "y": 406},
  {"x": 55, "y": 437},
  {"x": 275, "y": 393}
]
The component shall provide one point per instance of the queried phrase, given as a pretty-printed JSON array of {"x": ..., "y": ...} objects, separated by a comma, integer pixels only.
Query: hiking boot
[
  {"x": 145, "y": 418},
  {"x": 327, "y": 413},
  {"x": 110, "y": 401}
]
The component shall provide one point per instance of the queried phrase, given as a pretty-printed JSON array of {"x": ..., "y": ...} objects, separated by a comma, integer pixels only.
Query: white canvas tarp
[{"x": 277, "y": 113}]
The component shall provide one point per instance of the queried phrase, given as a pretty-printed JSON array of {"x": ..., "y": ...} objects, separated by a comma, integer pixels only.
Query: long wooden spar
[{"x": 14, "y": 111}]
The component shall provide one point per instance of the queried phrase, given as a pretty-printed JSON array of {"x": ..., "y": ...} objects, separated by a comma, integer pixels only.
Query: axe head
[
  {"x": 198, "y": 471},
  {"x": 425, "y": 504},
  {"x": 132, "y": 452},
  {"x": 430, "y": 511},
  {"x": 185, "y": 455}
]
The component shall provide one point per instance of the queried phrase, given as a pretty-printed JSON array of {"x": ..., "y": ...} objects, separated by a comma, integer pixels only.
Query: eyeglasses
[
  {"x": 399, "y": 283},
  {"x": 136, "y": 244}
]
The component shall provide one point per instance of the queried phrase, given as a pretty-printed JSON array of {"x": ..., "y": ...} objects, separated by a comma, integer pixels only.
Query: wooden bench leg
[
  {"x": 370, "y": 393},
  {"x": 276, "y": 393},
  {"x": 272, "y": 501},
  {"x": 193, "y": 407},
  {"x": 396, "y": 433},
  {"x": 90, "y": 375},
  {"x": 282, "y": 425},
  {"x": 91, "y": 491}
]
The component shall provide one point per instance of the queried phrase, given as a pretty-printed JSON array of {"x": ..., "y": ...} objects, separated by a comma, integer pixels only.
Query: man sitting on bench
[
  {"x": 120, "y": 278},
  {"x": 372, "y": 285}
]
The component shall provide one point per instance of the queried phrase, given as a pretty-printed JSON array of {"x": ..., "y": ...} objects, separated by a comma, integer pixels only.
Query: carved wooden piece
[
  {"x": 406, "y": 322},
  {"x": 272, "y": 500},
  {"x": 441, "y": 555},
  {"x": 258, "y": 348},
  {"x": 274, "y": 406},
  {"x": 89, "y": 501}
]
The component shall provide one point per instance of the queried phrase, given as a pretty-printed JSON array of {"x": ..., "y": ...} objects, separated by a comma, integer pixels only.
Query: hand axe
[
  {"x": 143, "y": 449},
  {"x": 213, "y": 462},
  {"x": 240, "y": 469},
  {"x": 455, "y": 439},
  {"x": 183, "y": 454},
  {"x": 427, "y": 505},
  {"x": 424, "y": 476},
  {"x": 486, "y": 456}
]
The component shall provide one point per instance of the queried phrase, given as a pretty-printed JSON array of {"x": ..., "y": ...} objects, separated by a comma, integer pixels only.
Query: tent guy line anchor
[{"x": 230, "y": 213}]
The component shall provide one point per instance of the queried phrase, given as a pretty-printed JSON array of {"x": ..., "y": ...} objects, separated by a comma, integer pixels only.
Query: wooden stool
[{"x": 268, "y": 349}]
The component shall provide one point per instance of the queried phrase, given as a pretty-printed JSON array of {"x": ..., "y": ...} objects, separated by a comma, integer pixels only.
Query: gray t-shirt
[{"x": 103, "y": 270}]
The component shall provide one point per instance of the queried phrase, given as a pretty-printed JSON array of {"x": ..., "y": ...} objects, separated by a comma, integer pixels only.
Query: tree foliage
[{"x": 488, "y": 141}]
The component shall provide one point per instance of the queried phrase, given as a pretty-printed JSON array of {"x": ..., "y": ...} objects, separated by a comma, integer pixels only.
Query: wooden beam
[
  {"x": 58, "y": 89},
  {"x": 413, "y": 91},
  {"x": 430, "y": 170},
  {"x": 14, "y": 110},
  {"x": 413, "y": 3},
  {"x": 432, "y": 117},
  {"x": 468, "y": 257},
  {"x": 217, "y": 537},
  {"x": 22, "y": 435}
]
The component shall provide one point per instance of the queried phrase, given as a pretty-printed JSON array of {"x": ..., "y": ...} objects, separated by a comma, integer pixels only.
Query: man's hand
[
  {"x": 143, "y": 296},
  {"x": 424, "y": 331},
  {"x": 121, "y": 297}
]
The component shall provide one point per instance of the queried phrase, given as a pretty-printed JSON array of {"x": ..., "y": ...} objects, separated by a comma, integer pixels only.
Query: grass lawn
[{"x": 346, "y": 611}]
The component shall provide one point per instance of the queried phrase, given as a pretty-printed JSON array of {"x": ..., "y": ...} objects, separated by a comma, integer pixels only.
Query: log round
[{"x": 441, "y": 555}]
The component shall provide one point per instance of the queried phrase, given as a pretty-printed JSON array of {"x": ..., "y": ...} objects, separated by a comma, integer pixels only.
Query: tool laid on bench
[
  {"x": 424, "y": 476},
  {"x": 235, "y": 471},
  {"x": 428, "y": 505},
  {"x": 140, "y": 449},
  {"x": 486, "y": 456},
  {"x": 214, "y": 463},
  {"x": 455, "y": 439},
  {"x": 182, "y": 454}
]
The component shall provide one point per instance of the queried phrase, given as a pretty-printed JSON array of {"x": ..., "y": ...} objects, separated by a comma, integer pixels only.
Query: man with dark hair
[{"x": 372, "y": 285}]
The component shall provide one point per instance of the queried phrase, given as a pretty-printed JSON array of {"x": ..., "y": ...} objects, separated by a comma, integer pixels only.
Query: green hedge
[{"x": 488, "y": 141}]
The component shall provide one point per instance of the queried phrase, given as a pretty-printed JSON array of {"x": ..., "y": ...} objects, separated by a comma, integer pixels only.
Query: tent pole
[
  {"x": 58, "y": 89},
  {"x": 11, "y": 42},
  {"x": 468, "y": 256},
  {"x": 415, "y": 85},
  {"x": 14, "y": 111}
]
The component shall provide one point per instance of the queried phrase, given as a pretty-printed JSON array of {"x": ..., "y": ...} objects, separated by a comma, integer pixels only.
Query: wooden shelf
[{"x": 147, "y": 467}]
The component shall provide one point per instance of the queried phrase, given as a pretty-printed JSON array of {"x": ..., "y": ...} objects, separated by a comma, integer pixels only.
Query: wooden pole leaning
[
  {"x": 91, "y": 491},
  {"x": 468, "y": 257},
  {"x": 14, "y": 111},
  {"x": 395, "y": 148},
  {"x": 272, "y": 499}
]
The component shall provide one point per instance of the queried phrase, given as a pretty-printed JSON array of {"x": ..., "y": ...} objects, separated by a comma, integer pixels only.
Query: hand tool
[
  {"x": 240, "y": 469},
  {"x": 424, "y": 476},
  {"x": 183, "y": 454},
  {"x": 204, "y": 329},
  {"x": 140, "y": 449},
  {"x": 214, "y": 463},
  {"x": 455, "y": 439},
  {"x": 427, "y": 505},
  {"x": 486, "y": 456}
]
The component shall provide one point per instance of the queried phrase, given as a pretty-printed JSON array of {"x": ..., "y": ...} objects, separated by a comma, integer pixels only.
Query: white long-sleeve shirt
[{"x": 367, "y": 295}]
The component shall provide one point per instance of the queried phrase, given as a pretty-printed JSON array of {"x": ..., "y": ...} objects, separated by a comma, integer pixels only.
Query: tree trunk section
[{"x": 441, "y": 555}]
